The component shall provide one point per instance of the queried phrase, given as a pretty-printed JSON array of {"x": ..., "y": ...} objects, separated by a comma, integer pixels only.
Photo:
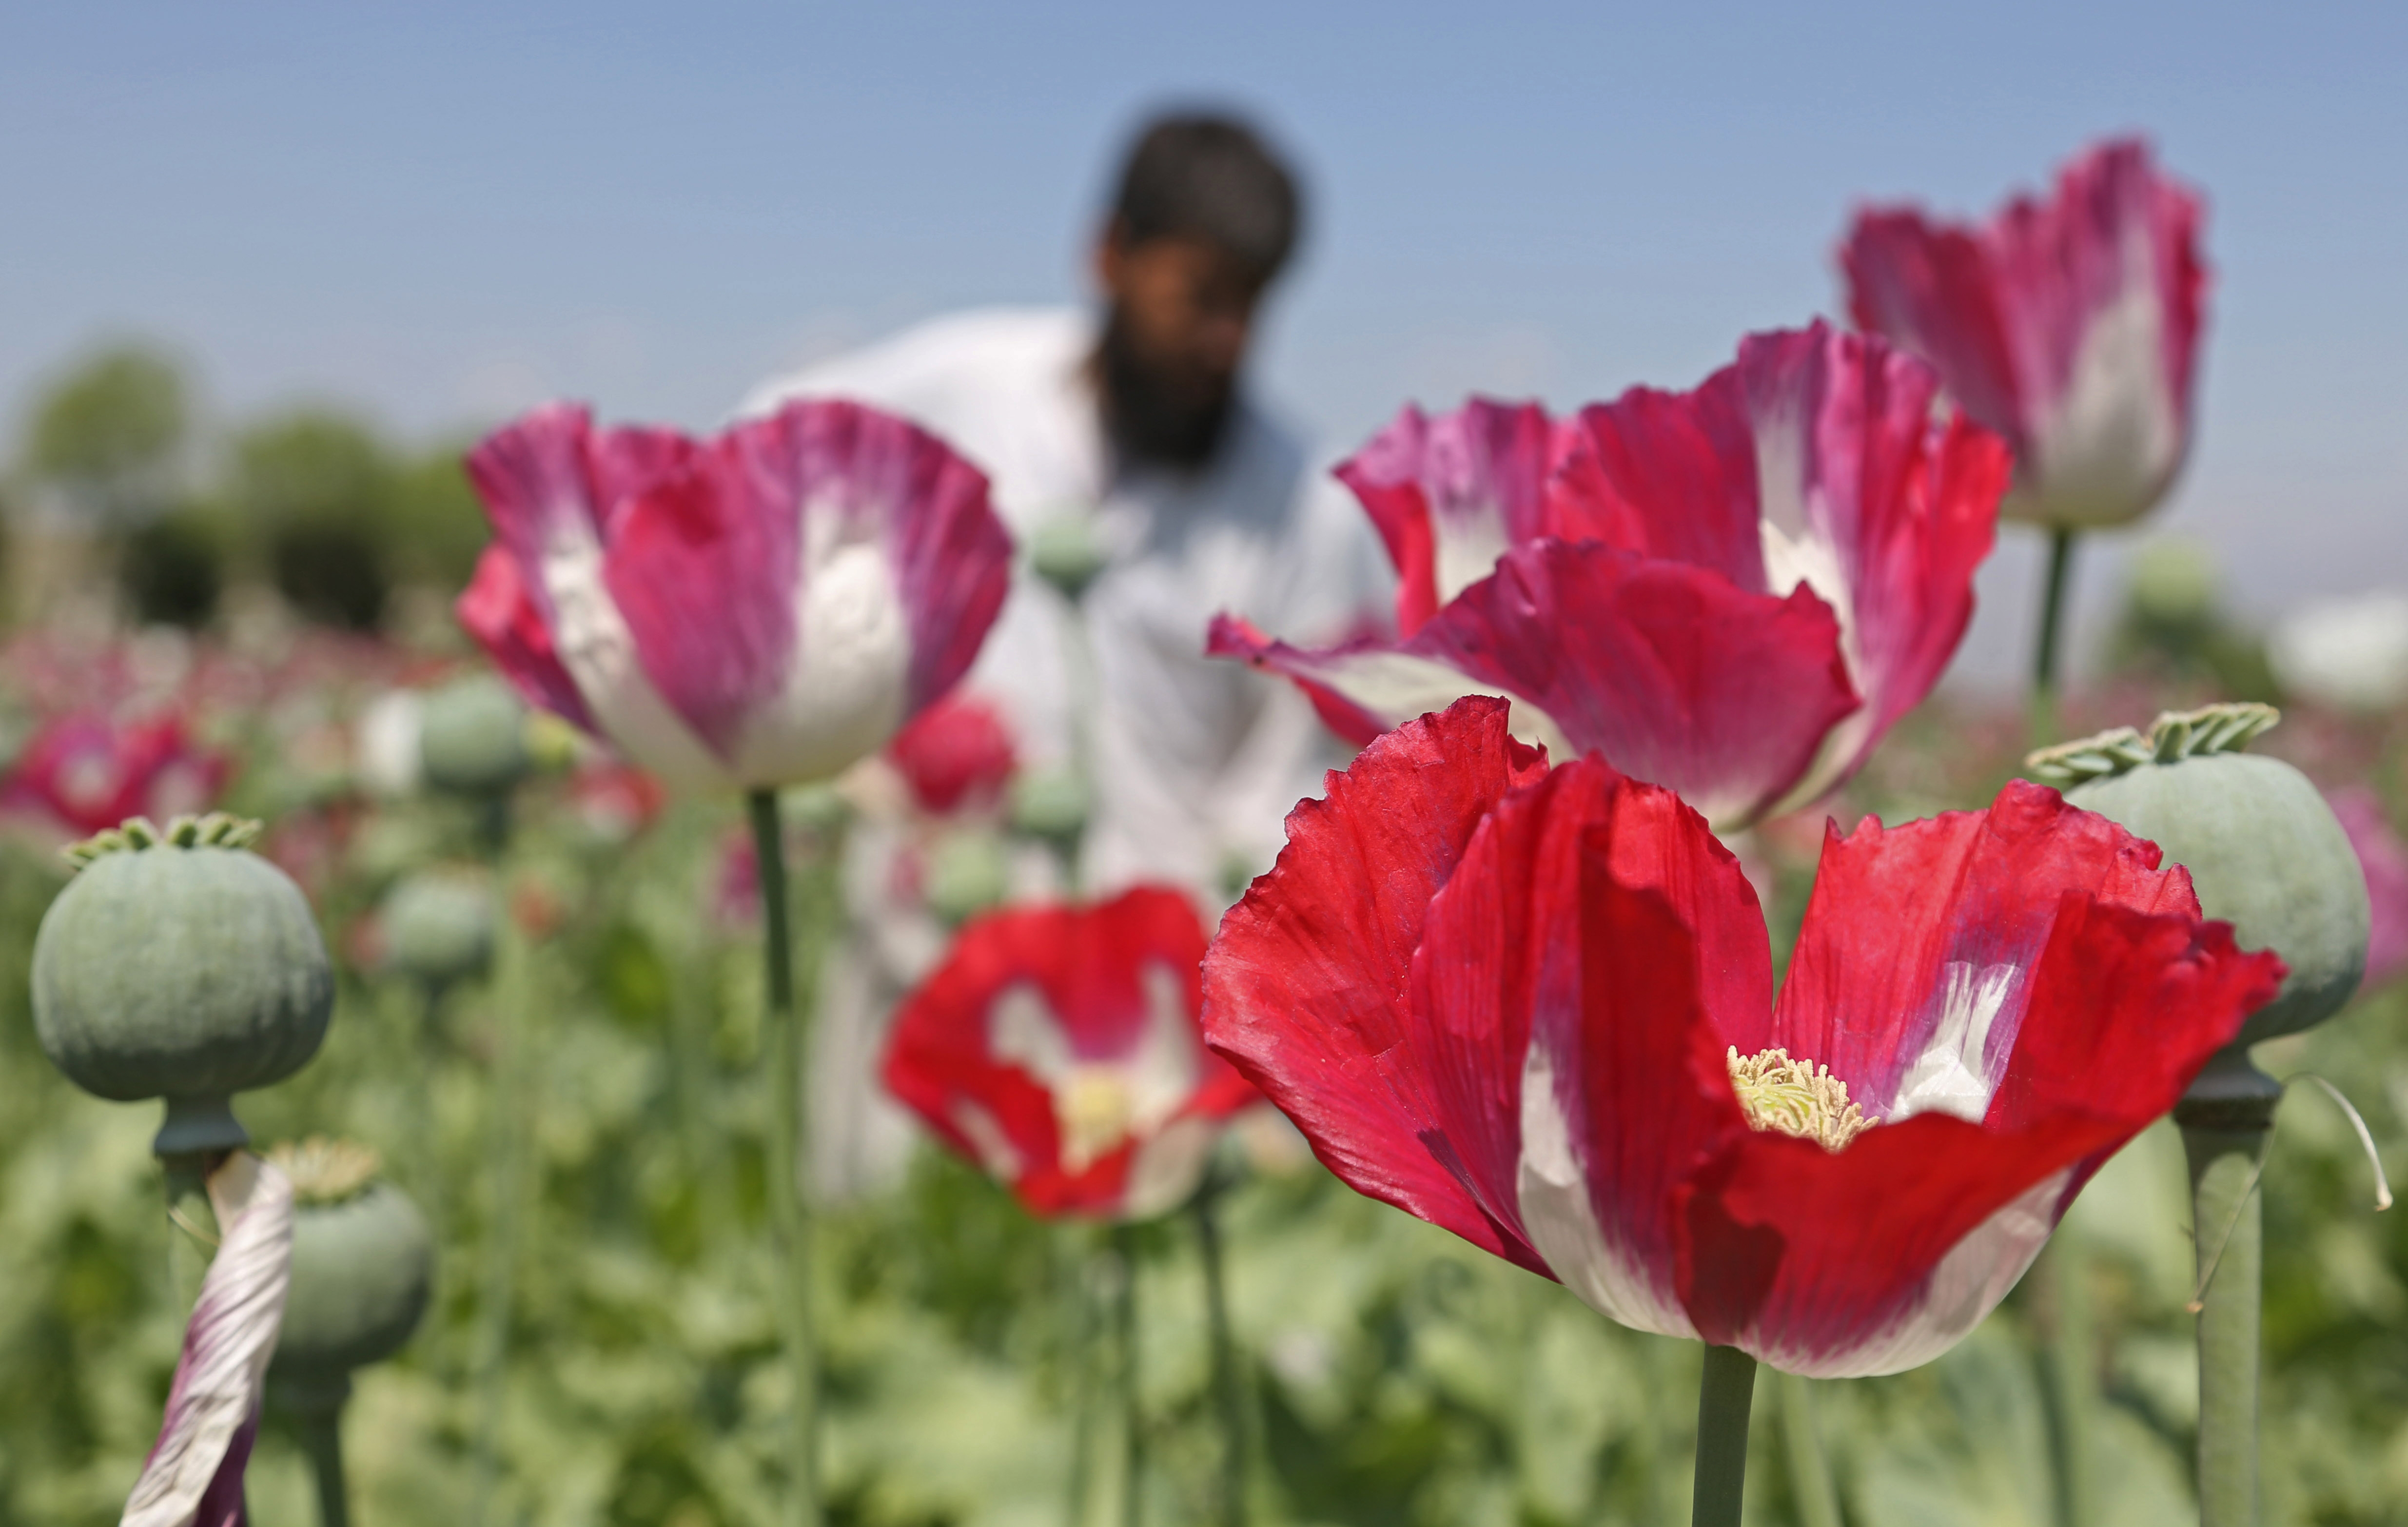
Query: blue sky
[{"x": 439, "y": 213}]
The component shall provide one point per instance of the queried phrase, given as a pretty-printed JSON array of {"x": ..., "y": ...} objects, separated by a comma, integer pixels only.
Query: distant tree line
[{"x": 311, "y": 500}]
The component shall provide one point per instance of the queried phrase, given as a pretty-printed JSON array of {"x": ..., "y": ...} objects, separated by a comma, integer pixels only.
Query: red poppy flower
[
  {"x": 1731, "y": 592},
  {"x": 2069, "y": 325},
  {"x": 1536, "y": 1007},
  {"x": 760, "y": 608},
  {"x": 88, "y": 773},
  {"x": 958, "y": 752},
  {"x": 1057, "y": 1048}
]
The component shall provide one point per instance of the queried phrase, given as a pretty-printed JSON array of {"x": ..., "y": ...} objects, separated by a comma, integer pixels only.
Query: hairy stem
[{"x": 2224, "y": 1118}]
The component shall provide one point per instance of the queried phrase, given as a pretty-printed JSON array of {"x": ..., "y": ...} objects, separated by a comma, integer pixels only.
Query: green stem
[
  {"x": 2224, "y": 1118},
  {"x": 320, "y": 1435},
  {"x": 1227, "y": 1389},
  {"x": 510, "y": 1101},
  {"x": 1132, "y": 1421},
  {"x": 192, "y": 1225},
  {"x": 1082, "y": 1264},
  {"x": 2045, "y": 654},
  {"x": 1810, "y": 1471},
  {"x": 789, "y": 1218},
  {"x": 1726, "y": 1390},
  {"x": 2072, "y": 1374}
]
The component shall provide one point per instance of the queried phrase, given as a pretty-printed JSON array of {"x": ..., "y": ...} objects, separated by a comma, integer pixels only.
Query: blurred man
[
  {"x": 1125, "y": 433},
  {"x": 1131, "y": 429}
]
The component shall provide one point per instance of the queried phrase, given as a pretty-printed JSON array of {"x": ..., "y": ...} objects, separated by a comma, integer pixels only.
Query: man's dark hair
[{"x": 1209, "y": 178}]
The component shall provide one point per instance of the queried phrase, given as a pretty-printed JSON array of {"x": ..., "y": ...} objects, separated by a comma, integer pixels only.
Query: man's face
[{"x": 1180, "y": 313}]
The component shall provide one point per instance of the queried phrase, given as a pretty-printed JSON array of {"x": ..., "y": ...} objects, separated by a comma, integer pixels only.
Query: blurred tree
[
  {"x": 108, "y": 434},
  {"x": 172, "y": 570},
  {"x": 319, "y": 484},
  {"x": 437, "y": 525}
]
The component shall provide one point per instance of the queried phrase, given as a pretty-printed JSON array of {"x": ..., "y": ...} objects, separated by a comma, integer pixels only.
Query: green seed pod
[
  {"x": 473, "y": 737},
  {"x": 1050, "y": 803},
  {"x": 1064, "y": 552},
  {"x": 966, "y": 874},
  {"x": 363, "y": 1263},
  {"x": 179, "y": 965},
  {"x": 2264, "y": 852},
  {"x": 438, "y": 927}
]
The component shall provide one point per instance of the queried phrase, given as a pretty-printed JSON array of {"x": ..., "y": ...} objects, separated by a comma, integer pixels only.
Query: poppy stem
[
  {"x": 2225, "y": 1119},
  {"x": 1725, "y": 1390},
  {"x": 1810, "y": 1471},
  {"x": 318, "y": 1426},
  {"x": 1132, "y": 1423},
  {"x": 789, "y": 1219},
  {"x": 1082, "y": 1264},
  {"x": 1226, "y": 1391},
  {"x": 509, "y": 1100},
  {"x": 2045, "y": 654}
]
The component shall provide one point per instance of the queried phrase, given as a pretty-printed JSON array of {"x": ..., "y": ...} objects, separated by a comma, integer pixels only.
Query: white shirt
[{"x": 1195, "y": 760}]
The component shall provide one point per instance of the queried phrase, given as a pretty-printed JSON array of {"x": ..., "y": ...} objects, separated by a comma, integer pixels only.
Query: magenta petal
[
  {"x": 1449, "y": 494},
  {"x": 1677, "y": 676},
  {"x": 499, "y": 610}
]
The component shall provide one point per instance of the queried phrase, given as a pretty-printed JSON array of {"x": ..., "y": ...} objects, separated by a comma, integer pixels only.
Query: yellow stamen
[
  {"x": 326, "y": 1171},
  {"x": 1796, "y": 1097},
  {"x": 1093, "y": 1110}
]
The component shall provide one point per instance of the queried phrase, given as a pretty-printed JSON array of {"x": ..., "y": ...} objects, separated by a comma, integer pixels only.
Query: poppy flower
[
  {"x": 1536, "y": 1007},
  {"x": 2069, "y": 324},
  {"x": 957, "y": 752},
  {"x": 1057, "y": 1048},
  {"x": 1731, "y": 592},
  {"x": 759, "y": 608},
  {"x": 192, "y": 1476},
  {"x": 88, "y": 773}
]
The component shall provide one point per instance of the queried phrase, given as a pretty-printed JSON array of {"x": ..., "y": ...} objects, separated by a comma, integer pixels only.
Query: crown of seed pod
[
  {"x": 472, "y": 738},
  {"x": 2264, "y": 852},
  {"x": 362, "y": 1268},
  {"x": 438, "y": 927},
  {"x": 178, "y": 964}
]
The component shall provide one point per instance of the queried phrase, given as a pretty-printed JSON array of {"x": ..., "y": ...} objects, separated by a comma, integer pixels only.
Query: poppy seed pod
[
  {"x": 472, "y": 738},
  {"x": 438, "y": 928},
  {"x": 362, "y": 1265},
  {"x": 178, "y": 964},
  {"x": 1064, "y": 552},
  {"x": 2264, "y": 852}
]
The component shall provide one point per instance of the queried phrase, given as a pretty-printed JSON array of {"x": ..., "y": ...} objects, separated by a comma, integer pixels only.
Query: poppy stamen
[{"x": 1798, "y": 1098}]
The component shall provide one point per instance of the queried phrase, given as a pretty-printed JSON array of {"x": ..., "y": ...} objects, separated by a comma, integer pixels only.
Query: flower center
[
  {"x": 1093, "y": 1108},
  {"x": 1796, "y": 1097}
]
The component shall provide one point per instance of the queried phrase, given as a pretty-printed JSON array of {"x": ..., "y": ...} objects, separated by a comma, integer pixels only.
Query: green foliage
[{"x": 107, "y": 432}]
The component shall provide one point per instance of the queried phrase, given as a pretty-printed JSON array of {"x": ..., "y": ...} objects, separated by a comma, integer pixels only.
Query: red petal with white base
[
  {"x": 1448, "y": 494},
  {"x": 1033, "y": 1004},
  {"x": 1308, "y": 984}
]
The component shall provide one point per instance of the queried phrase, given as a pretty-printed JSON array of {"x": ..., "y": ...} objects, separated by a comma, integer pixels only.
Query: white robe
[{"x": 1196, "y": 760}]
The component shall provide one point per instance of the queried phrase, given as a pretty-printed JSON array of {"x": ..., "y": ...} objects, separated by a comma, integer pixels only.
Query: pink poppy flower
[
  {"x": 957, "y": 752},
  {"x": 1731, "y": 592},
  {"x": 1057, "y": 1048},
  {"x": 193, "y": 1475},
  {"x": 2069, "y": 325},
  {"x": 2385, "y": 860},
  {"x": 1536, "y": 1007},
  {"x": 759, "y": 608},
  {"x": 87, "y": 773}
]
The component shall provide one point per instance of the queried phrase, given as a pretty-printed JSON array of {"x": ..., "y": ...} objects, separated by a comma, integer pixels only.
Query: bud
[
  {"x": 180, "y": 966},
  {"x": 2264, "y": 850},
  {"x": 1050, "y": 803}
]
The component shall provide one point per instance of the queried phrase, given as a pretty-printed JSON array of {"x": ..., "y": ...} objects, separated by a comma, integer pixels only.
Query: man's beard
[{"x": 1161, "y": 419}]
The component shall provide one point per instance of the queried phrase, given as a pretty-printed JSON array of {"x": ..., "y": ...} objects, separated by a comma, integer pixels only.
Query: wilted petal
[{"x": 193, "y": 1475}]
